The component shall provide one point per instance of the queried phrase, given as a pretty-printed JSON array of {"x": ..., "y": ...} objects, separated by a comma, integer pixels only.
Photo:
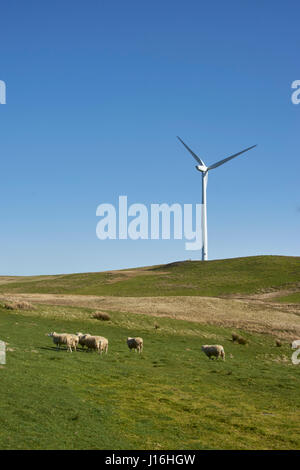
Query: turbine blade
[
  {"x": 191, "y": 152},
  {"x": 221, "y": 162}
]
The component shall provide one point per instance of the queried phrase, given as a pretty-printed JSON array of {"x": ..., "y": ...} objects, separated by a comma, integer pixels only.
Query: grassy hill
[
  {"x": 211, "y": 278},
  {"x": 170, "y": 397}
]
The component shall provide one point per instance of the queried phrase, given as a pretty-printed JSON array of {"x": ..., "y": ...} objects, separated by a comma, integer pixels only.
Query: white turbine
[{"x": 204, "y": 170}]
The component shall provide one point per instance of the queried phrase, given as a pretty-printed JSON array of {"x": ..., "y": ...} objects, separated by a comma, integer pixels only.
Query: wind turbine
[{"x": 204, "y": 170}]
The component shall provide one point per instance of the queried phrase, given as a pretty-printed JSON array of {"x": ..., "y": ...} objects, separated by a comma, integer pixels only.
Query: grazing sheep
[
  {"x": 100, "y": 343},
  {"x": 214, "y": 350},
  {"x": 75, "y": 341},
  {"x": 81, "y": 338},
  {"x": 103, "y": 344},
  {"x": 92, "y": 342},
  {"x": 135, "y": 343},
  {"x": 63, "y": 338},
  {"x": 295, "y": 344}
]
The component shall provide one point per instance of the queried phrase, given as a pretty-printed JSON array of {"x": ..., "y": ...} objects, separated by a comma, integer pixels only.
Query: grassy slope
[
  {"x": 212, "y": 278},
  {"x": 172, "y": 397},
  {"x": 290, "y": 299}
]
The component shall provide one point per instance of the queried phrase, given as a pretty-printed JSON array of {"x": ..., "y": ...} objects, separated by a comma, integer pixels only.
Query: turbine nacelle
[{"x": 201, "y": 168}]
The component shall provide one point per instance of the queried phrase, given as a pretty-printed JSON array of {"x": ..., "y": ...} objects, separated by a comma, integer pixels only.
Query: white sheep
[
  {"x": 135, "y": 343},
  {"x": 75, "y": 341},
  {"x": 103, "y": 344},
  {"x": 81, "y": 338},
  {"x": 91, "y": 342},
  {"x": 63, "y": 338},
  {"x": 99, "y": 342},
  {"x": 214, "y": 350}
]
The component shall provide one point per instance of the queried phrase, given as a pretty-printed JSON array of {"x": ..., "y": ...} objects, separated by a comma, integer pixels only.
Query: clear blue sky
[{"x": 97, "y": 92}]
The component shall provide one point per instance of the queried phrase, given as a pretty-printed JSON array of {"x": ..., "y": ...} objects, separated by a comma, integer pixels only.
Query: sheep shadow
[{"x": 62, "y": 349}]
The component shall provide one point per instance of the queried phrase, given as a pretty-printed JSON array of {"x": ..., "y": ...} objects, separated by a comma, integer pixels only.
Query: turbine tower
[{"x": 204, "y": 170}]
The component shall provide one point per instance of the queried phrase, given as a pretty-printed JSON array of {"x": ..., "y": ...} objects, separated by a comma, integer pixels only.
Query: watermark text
[
  {"x": 2, "y": 92},
  {"x": 2, "y": 353},
  {"x": 162, "y": 221},
  {"x": 296, "y": 354},
  {"x": 296, "y": 94}
]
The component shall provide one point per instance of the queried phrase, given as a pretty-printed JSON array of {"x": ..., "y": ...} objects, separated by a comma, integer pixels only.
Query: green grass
[
  {"x": 290, "y": 299},
  {"x": 170, "y": 397},
  {"x": 212, "y": 278}
]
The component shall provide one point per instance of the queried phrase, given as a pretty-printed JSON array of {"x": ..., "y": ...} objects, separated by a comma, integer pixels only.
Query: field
[{"x": 171, "y": 396}]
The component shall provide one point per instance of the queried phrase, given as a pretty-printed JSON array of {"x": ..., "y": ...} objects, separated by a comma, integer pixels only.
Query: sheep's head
[{"x": 51, "y": 334}]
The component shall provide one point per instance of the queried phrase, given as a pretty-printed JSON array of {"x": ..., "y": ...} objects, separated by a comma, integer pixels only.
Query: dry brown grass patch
[
  {"x": 242, "y": 340},
  {"x": 22, "y": 305},
  {"x": 252, "y": 316},
  {"x": 101, "y": 316},
  {"x": 238, "y": 339}
]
